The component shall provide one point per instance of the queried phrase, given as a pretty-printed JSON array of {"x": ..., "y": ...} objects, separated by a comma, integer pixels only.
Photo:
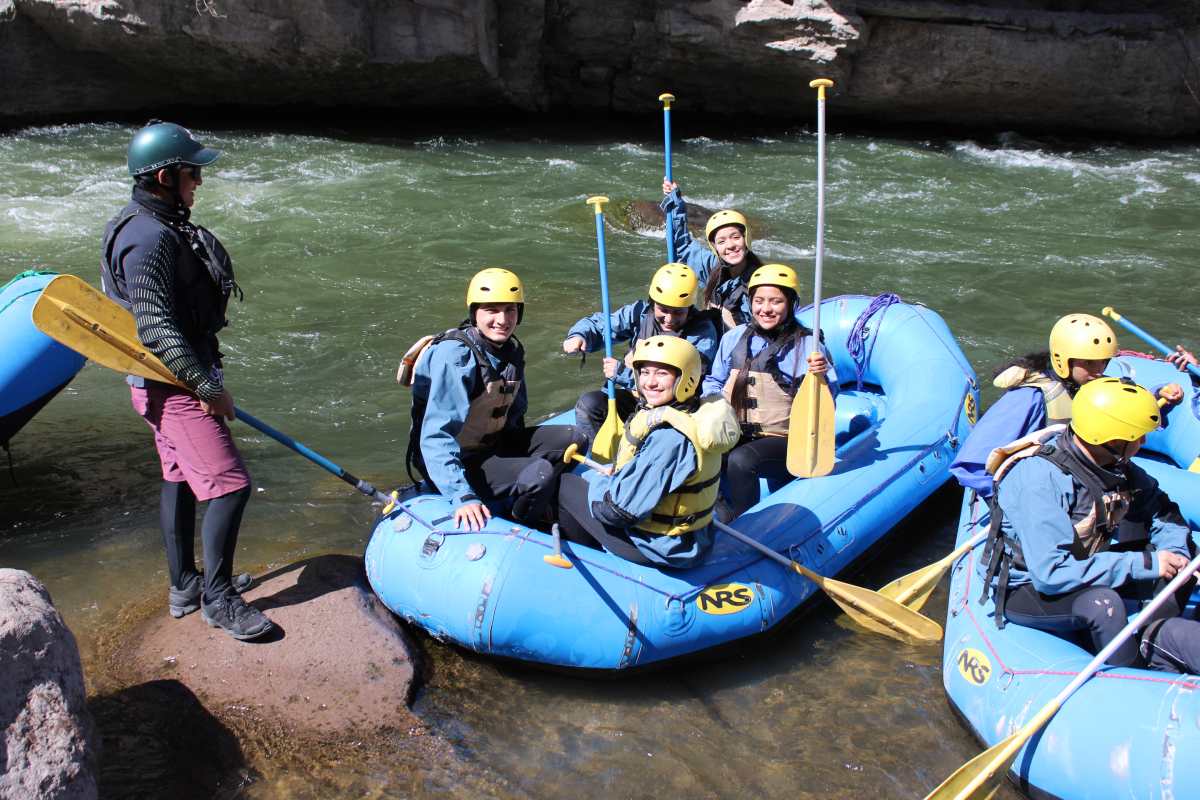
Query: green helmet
[{"x": 163, "y": 144}]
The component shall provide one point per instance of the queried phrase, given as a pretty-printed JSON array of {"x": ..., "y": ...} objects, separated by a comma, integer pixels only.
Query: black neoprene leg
[
  {"x": 220, "y": 532},
  {"x": 177, "y": 515},
  {"x": 1100, "y": 611},
  {"x": 751, "y": 460}
]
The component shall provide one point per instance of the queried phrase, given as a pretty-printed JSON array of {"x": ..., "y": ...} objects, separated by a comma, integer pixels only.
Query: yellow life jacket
[
  {"x": 1056, "y": 396},
  {"x": 713, "y": 430}
]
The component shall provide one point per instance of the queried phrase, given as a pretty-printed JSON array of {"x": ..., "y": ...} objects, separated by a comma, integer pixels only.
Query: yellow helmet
[
  {"x": 780, "y": 275},
  {"x": 674, "y": 285},
  {"x": 1113, "y": 408},
  {"x": 496, "y": 285},
  {"x": 722, "y": 218},
  {"x": 674, "y": 351},
  {"x": 1079, "y": 336}
]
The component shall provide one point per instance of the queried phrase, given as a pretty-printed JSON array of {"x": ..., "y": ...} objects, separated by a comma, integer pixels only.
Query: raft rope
[
  {"x": 26, "y": 274},
  {"x": 856, "y": 342}
]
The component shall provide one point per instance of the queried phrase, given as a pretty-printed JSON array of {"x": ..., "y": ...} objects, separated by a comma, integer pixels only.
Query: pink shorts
[{"x": 193, "y": 446}]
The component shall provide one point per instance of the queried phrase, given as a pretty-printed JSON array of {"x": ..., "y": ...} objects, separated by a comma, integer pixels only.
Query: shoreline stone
[{"x": 48, "y": 745}]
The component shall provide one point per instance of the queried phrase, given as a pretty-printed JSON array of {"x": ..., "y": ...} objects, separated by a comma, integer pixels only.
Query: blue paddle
[
  {"x": 605, "y": 444},
  {"x": 1111, "y": 312},
  {"x": 667, "y": 99}
]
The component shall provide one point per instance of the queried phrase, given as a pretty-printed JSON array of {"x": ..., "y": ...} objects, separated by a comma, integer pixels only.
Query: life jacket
[
  {"x": 769, "y": 392},
  {"x": 1094, "y": 525},
  {"x": 713, "y": 430},
  {"x": 1054, "y": 393},
  {"x": 203, "y": 278},
  {"x": 492, "y": 395},
  {"x": 648, "y": 326}
]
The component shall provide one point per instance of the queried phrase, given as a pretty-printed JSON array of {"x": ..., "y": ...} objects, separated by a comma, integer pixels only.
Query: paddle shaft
[
  {"x": 1146, "y": 337},
  {"x": 766, "y": 551},
  {"x": 598, "y": 205},
  {"x": 820, "y": 254},
  {"x": 666, "y": 101},
  {"x": 313, "y": 456}
]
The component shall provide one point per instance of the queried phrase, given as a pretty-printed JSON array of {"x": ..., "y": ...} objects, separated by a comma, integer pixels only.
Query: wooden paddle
[
  {"x": 913, "y": 589},
  {"x": 72, "y": 313},
  {"x": 605, "y": 444},
  {"x": 979, "y": 778},
  {"x": 869, "y": 609},
  {"x": 810, "y": 427}
]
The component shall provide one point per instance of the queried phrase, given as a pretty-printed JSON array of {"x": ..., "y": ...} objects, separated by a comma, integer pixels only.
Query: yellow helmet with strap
[
  {"x": 1079, "y": 336},
  {"x": 496, "y": 285},
  {"x": 674, "y": 285},
  {"x": 1109, "y": 409},
  {"x": 780, "y": 275},
  {"x": 675, "y": 352},
  {"x": 722, "y": 218}
]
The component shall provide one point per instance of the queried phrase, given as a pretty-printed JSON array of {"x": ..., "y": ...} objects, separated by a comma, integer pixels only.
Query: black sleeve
[{"x": 149, "y": 266}]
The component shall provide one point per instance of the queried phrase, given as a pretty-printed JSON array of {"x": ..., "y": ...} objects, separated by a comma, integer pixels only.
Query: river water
[{"x": 350, "y": 246}]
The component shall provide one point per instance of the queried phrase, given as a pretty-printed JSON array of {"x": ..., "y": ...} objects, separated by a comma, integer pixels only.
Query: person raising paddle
[
  {"x": 1053, "y": 559},
  {"x": 176, "y": 279},
  {"x": 468, "y": 413},
  {"x": 723, "y": 263},
  {"x": 668, "y": 310},
  {"x": 758, "y": 368},
  {"x": 1038, "y": 391}
]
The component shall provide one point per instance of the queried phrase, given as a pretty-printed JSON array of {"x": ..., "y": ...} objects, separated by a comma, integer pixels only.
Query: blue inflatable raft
[
  {"x": 491, "y": 592},
  {"x": 1127, "y": 733},
  {"x": 33, "y": 367}
]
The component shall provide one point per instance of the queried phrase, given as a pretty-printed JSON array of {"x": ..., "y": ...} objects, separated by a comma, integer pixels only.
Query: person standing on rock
[
  {"x": 723, "y": 264},
  {"x": 176, "y": 279}
]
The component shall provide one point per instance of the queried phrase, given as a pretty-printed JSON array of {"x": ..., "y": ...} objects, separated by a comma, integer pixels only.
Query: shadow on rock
[
  {"x": 314, "y": 578},
  {"x": 158, "y": 740}
]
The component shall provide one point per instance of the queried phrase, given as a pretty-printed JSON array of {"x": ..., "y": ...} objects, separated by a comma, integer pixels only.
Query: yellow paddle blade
[
  {"x": 72, "y": 313},
  {"x": 810, "y": 429},
  {"x": 604, "y": 446},
  {"x": 875, "y": 612},
  {"x": 913, "y": 589},
  {"x": 980, "y": 777}
]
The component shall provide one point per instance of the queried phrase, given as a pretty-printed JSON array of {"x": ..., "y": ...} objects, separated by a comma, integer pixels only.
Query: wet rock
[
  {"x": 647, "y": 215},
  {"x": 47, "y": 750},
  {"x": 1114, "y": 66},
  {"x": 337, "y": 662}
]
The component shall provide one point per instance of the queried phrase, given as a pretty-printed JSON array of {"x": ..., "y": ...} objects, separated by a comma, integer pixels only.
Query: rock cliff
[{"x": 1122, "y": 67}]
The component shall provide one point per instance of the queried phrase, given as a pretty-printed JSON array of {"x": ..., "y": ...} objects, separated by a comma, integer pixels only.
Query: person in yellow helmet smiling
[
  {"x": 1038, "y": 391},
  {"x": 667, "y": 310},
  {"x": 758, "y": 368},
  {"x": 723, "y": 263},
  {"x": 1054, "y": 560},
  {"x": 468, "y": 414},
  {"x": 655, "y": 507}
]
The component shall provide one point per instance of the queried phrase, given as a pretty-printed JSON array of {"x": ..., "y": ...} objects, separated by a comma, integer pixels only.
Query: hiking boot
[
  {"x": 182, "y": 602},
  {"x": 236, "y": 617}
]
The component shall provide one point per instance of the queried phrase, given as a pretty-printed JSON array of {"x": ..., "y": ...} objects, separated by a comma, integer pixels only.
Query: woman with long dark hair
[
  {"x": 723, "y": 263},
  {"x": 759, "y": 366}
]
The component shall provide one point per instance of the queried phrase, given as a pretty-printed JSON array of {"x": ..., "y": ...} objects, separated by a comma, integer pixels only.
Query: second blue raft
[
  {"x": 33, "y": 367},
  {"x": 897, "y": 431}
]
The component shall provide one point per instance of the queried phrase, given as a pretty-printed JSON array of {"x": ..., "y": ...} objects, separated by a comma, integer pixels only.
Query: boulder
[
  {"x": 338, "y": 661},
  {"x": 47, "y": 749}
]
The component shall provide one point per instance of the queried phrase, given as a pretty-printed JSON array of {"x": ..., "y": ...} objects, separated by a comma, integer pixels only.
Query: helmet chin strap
[{"x": 1119, "y": 454}]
